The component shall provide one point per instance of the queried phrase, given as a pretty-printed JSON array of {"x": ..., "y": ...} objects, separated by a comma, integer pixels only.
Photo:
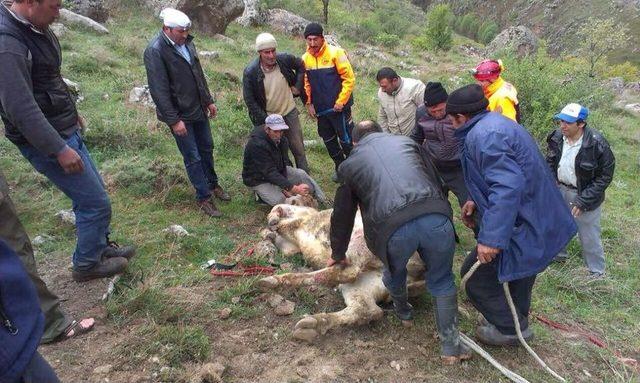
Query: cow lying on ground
[{"x": 305, "y": 230}]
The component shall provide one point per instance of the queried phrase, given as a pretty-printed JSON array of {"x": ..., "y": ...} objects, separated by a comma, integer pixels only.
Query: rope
[
  {"x": 345, "y": 132},
  {"x": 505, "y": 371},
  {"x": 510, "y": 374}
]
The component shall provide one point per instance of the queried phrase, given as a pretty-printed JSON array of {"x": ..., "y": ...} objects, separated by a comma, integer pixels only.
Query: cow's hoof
[
  {"x": 307, "y": 323},
  {"x": 305, "y": 334},
  {"x": 268, "y": 283}
]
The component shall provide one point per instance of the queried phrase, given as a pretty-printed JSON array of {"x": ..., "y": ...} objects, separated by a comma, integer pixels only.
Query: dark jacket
[
  {"x": 291, "y": 67},
  {"x": 438, "y": 138},
  {"x": 264, "y": 161},
  {"x": 179, "y": 89},
  {"x": 594, "y": 166},
  {"x": 393, "y": 181},
  {"x": 35, "y": 104},
  {"x": 521, "y": 210},
  {"x": 21, "y": 321}
]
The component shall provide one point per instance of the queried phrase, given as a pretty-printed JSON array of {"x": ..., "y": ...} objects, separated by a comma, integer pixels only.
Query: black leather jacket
[
  {"x": 179, "y": 89},
  {"x": 393, "y": 181},
  {"x": 264, "y": 161},
  {"x": 594, "y": 166},
  {"x": 292, "y": 69}
]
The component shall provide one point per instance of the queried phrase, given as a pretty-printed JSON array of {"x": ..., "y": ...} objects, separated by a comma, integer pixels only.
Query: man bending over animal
[
  {"x": 267, "y": 169},
  {"x": 404, "y": 210}
]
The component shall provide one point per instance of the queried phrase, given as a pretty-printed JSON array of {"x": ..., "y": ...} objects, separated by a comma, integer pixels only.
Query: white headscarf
[{"x": 173, "y": 18}]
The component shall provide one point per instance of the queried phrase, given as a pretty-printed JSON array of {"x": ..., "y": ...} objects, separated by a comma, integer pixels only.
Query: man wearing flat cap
[
  {"x": 267, "y": 170},
  {"x": 524, "y": 221},
  {"x": 183, "y": 101},
  {"x": 269, "y": 84},
  {"x": 328, "y": 83}
]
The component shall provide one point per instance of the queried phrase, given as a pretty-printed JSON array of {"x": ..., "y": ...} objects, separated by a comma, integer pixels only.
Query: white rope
[
  {"x": 512, "y": 307},
  {"x": 505, "y": 371},
  {"x": 507, "y": 293}
]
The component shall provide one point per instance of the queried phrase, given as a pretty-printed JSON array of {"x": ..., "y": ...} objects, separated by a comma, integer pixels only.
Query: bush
[
  {"x": 466, "y": 24},
  {"x": 438, "y": 30},
  {"x": 387, "y": 40},
  {"x": 626, "y": 70},
  {"x": 545, "y": 85},
  {"x": 488, "y": 31}
]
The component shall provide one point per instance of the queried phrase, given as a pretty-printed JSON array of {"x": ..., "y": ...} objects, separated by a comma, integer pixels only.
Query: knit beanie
[
  {"x": 265, "y": 41},
  {"x": 313, "y": 29},
  {"x": 434, "y": 94},
  {"x": 469, "y": 99}
]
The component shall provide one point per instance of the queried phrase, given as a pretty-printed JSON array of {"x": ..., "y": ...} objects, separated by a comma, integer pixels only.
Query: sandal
[{"x": 75, "y": 329}]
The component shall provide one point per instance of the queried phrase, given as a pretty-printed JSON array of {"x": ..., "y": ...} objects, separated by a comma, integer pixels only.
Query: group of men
[{"x": 522, "y": 213}]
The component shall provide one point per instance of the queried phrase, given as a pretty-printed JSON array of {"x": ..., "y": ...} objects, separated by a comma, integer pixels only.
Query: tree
[
  {"x": 438, "y": 27},
  {"x": 598, "y": 37},
  {"x": 325, "y": 11}
]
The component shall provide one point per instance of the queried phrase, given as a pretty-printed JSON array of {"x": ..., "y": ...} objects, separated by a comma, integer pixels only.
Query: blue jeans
[
  {"x": 432, "y": 236},
  {"x": 197, "y": 152},
  {"x": 91, "y": 203},
  {"x": 39, "y": 371}
]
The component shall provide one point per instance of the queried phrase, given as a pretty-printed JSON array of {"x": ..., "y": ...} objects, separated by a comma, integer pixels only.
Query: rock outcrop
[
  {"x": 520, "y": 40},
  {"x": 208, "y": 16}
]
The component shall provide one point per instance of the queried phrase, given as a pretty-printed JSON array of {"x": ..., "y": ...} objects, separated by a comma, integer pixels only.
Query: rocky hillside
[{"x": 555, "y": 20}]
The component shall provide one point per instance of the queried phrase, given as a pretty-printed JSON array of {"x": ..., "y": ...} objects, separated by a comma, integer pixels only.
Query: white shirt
[
  {"x": 397, "y": 112},
  {"x": 567, "y": 165}
]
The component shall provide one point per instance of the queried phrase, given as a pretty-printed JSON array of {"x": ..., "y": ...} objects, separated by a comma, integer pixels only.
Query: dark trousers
[
  {"x": 39, "y": 371},
  {"x": 13, "y": 233},
  {"x": 335, "y": 130},
  {"x": 454, "y": 182},
  {"x": 487, "y": 295},
  {"x": 197, "y": 153}
]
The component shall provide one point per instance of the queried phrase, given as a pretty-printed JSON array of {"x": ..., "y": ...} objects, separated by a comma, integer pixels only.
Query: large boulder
[
  {"x": 93, "y": 9},
  {"x": 285, "y": 21},
  {"x": 208, "y": 16},
  {"x": 520, "y": 40},
  {"x": 69, "y": 17},
  {"x": 253, "y": 15}
]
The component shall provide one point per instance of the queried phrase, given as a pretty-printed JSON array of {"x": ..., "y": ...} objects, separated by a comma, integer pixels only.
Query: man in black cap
[
  {"x": 524, "y": 221},
  {"x": 434, "y": 131},
  {"x": 328, "y": 84}
]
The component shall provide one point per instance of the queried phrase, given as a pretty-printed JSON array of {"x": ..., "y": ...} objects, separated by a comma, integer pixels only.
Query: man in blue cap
[{"x": 583, "y": 164}]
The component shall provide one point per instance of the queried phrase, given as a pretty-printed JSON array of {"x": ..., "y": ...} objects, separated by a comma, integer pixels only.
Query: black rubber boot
[
  {"x": 402, "y": 307},
  {"x": 446, "y": 311}
]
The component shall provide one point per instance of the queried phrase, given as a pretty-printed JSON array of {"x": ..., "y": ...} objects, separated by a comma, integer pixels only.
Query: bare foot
[{"x": 77, "y": 328}]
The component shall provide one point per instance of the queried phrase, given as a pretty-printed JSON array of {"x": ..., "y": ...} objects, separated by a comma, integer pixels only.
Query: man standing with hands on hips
[{"x": 183, "y": 101}]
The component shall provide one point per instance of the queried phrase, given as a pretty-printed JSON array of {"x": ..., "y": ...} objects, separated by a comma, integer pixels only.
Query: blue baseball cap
[{"x": 572, "y": 113}]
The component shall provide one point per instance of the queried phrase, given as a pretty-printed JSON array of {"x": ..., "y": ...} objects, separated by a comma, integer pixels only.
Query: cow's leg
[
  {"x": 329, "y": 276},
  {"x": 360, "y": 298}
]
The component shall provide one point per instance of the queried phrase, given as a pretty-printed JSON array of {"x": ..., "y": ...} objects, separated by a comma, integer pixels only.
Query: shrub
[
  {"x": 387, "y": 40},
  {"x": 488, "y": 30},
  {"x": 626, "y": 70},
  {"x": 465, "y": 25},
  {"x": 438, "y": 30}
]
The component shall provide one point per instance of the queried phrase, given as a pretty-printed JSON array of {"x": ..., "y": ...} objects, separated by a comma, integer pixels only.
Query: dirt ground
[{"x": 261, "y": 349}]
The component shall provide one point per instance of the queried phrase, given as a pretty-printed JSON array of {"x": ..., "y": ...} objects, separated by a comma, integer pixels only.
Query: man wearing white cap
[
  {"x": 583, "y": 164},
  {"x": 267, "y": 169},
  {"x": 269, "y": 84},
  {"x": 183, "y": 101}
]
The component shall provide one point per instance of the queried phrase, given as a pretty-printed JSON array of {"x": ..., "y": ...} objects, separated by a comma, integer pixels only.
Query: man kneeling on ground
[{"x": 267, "y": 169}]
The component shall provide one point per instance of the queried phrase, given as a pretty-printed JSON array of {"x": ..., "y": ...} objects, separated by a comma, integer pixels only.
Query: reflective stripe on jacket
[{"x": 329, "y": 78}]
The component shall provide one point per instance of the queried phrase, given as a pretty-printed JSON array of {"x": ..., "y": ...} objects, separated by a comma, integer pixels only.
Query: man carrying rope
[{"x": 524, "y": 221}]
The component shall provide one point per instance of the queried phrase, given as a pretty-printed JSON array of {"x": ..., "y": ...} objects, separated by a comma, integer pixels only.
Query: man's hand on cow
[
  {"x": 179, "y": 128},
  {"x": 341, "y": 263},
  {"x": 338, "y": 107},
  {"x": 486, "y": 254},
  {"x": 467, "y": 211},
  {"x": 303, "y": 189},
  {"x": 311, "y": 110},
  {"x": 295, "y": 91},
  {"x": 70, "y": 161},
  {"x": 213, "y": 110}
]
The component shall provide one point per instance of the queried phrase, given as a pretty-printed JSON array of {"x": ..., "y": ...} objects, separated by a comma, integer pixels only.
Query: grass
[{"x": 149, "y": 191}]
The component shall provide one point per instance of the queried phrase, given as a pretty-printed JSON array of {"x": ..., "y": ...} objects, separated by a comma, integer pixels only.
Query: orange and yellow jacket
[
  {"x": 503, "y": 98},
  {"x": 328, "y": 78}
]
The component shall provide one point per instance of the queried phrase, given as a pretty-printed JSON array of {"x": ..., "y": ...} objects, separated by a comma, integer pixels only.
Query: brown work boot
[
  {"x": 220, "y": 194},
  {"x": 107, "y": 267},
  {"x": 209, "y": 208}
]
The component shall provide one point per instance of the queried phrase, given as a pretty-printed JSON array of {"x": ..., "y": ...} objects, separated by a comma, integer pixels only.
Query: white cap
[
  {"x": 265, "y": 41},
  {"x": 173, "y": 18}
]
